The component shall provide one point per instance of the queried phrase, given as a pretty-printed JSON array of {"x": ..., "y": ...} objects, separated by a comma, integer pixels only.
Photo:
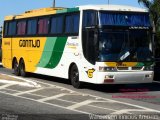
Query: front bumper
[{"x": 125, "y": 77}]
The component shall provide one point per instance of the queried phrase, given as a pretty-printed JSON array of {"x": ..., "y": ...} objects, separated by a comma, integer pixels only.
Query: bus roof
[
  {"x": 48, "y": 11},
  {"x": 41, "y": 12},
  {"x": 113, "y": 8}
]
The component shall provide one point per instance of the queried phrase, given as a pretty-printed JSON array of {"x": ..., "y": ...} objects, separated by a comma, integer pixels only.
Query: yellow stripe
[
  {"x": 121, "y": 64},
  {"x": 72, "y": 47}
]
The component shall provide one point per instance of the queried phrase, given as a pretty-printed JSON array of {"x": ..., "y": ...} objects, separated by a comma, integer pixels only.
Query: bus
[
  {"x": 0, "y": 48},
  {"x": 99, "y": 44}
]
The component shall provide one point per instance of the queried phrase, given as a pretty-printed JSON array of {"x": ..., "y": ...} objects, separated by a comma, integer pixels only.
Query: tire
[
  {"x": 23, "y": 73},
  {"x": 74, "y": 77},
  {"x": 16, "y": 68}
]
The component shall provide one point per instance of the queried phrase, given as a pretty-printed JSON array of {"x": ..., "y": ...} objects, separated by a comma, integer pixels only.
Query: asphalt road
[{"x": 48, "y": 98}]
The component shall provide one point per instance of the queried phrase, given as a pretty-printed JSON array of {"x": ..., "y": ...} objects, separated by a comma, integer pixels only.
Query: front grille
[
  {"x": 122, "y": 68},
  {"x": 131, "y": 68},
  {"x": 137, "y": 68}
]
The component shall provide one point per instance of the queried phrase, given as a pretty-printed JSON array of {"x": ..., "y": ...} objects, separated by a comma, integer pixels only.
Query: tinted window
[
  {"x": 57, "y": 25},
  {"x": 21, "y": 28},
  {"x": 72, "y": 24},
  {"x": 68, "y": 27},
  {"x": 124, "y": 19},
  {"x": 32, "y": 27},
  {"x": 6, "y": 29},
  {"x": 89, "y": 18},
  {"x": 12, "y": 28},
  {"x": 43, "y": 26},
  {"x": 75, "y": 23}
]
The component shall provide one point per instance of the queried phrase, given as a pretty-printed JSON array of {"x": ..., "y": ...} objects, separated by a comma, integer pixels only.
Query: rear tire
[
  {"x": 74, "y": 77},
  {"x": 16, "y": 68},
  {"x": 23, "y": 73}
]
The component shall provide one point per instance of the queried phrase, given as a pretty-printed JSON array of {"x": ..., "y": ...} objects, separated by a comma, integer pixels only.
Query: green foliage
[
  {"x": 157, "y": 42},
  {"x": 146, "y": 3},
  {"x": 158, "y": 34},
  {"x": 154, "y": 9},
  {"x": 0, "y": 35},
  {"x": 0, "y": 31}
]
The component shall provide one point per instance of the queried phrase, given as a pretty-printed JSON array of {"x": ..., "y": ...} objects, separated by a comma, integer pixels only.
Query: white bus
[{"x": 100, "y": 44}]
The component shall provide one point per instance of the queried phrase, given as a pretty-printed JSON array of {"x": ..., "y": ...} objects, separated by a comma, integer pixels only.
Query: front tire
[
  {"x": 16, "y": 68},
  {"x": 74, "y": 77},
  {"x": 23, "y": 73}
]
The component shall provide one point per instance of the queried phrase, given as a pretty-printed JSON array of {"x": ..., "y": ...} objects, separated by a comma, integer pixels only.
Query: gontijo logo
[{"x": 29, "y": 43}]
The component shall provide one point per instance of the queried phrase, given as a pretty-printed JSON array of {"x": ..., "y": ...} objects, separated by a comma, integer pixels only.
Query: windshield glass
[{"x": 129, "y": 45}]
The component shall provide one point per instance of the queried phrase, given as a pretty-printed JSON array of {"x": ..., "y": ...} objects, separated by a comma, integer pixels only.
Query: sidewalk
[{"x": 9, "y": 79}]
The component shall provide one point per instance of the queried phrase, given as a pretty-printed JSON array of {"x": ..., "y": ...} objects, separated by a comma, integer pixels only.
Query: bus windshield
[{"x": 125, "y": 45}]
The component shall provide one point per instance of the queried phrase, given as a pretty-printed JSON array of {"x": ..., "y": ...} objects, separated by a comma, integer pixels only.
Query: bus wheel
[
  {"x": 22, "y": 68},
  {"x": 74, "y": 77},
  {"x": 16, "y": 68}
]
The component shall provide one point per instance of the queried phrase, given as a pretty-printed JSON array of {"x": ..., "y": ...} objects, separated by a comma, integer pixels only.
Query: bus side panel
[
  {"x": 30, "y": 50},
  {"x": 50, "y": 61},
  {"x": 68, "y": 50},
  {"x": 35, "y": 53},
  {"x": 7, "y": 52}
]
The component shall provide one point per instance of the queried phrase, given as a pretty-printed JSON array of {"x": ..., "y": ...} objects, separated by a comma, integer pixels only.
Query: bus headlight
[
  {"x": 105, "y": 69},
  {"x": 149, "y": 68}
]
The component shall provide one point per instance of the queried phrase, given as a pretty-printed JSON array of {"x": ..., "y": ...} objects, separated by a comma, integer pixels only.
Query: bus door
[
  {"x": 90, "y": 49},
  {"x": 90, "y": 45}
]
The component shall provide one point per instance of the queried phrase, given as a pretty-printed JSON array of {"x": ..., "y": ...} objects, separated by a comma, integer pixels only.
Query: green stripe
[
  {"x": 47, "y": 52},
  {"x": 141, "y": 64},
  {"x": 61, "y": 11},
  {"x": 68, "y": 10},
  {"x": 72, "y": 9},
  {"x": 53, "y": 51}
]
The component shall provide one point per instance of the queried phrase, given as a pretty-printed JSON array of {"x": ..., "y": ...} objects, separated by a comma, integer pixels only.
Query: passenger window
[
  {"x": 75, "y": 23},
  {"x": 57, "y": 25},
  {"x": 6, "y": 29},
  {"x": 12, "y": 28},
  {"x": 32, "y": 27},
  {"x": 68, "y": 27},
  {"x": 43, "y": 26},
  {"x": 72, "y": 24},
  {"x": 21, "y": 28}
]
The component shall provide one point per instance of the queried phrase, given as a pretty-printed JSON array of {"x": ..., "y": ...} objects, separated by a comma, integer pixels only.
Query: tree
[
  {"x": 0, "y": 30},
  {"x": 154, "y": 9}
]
